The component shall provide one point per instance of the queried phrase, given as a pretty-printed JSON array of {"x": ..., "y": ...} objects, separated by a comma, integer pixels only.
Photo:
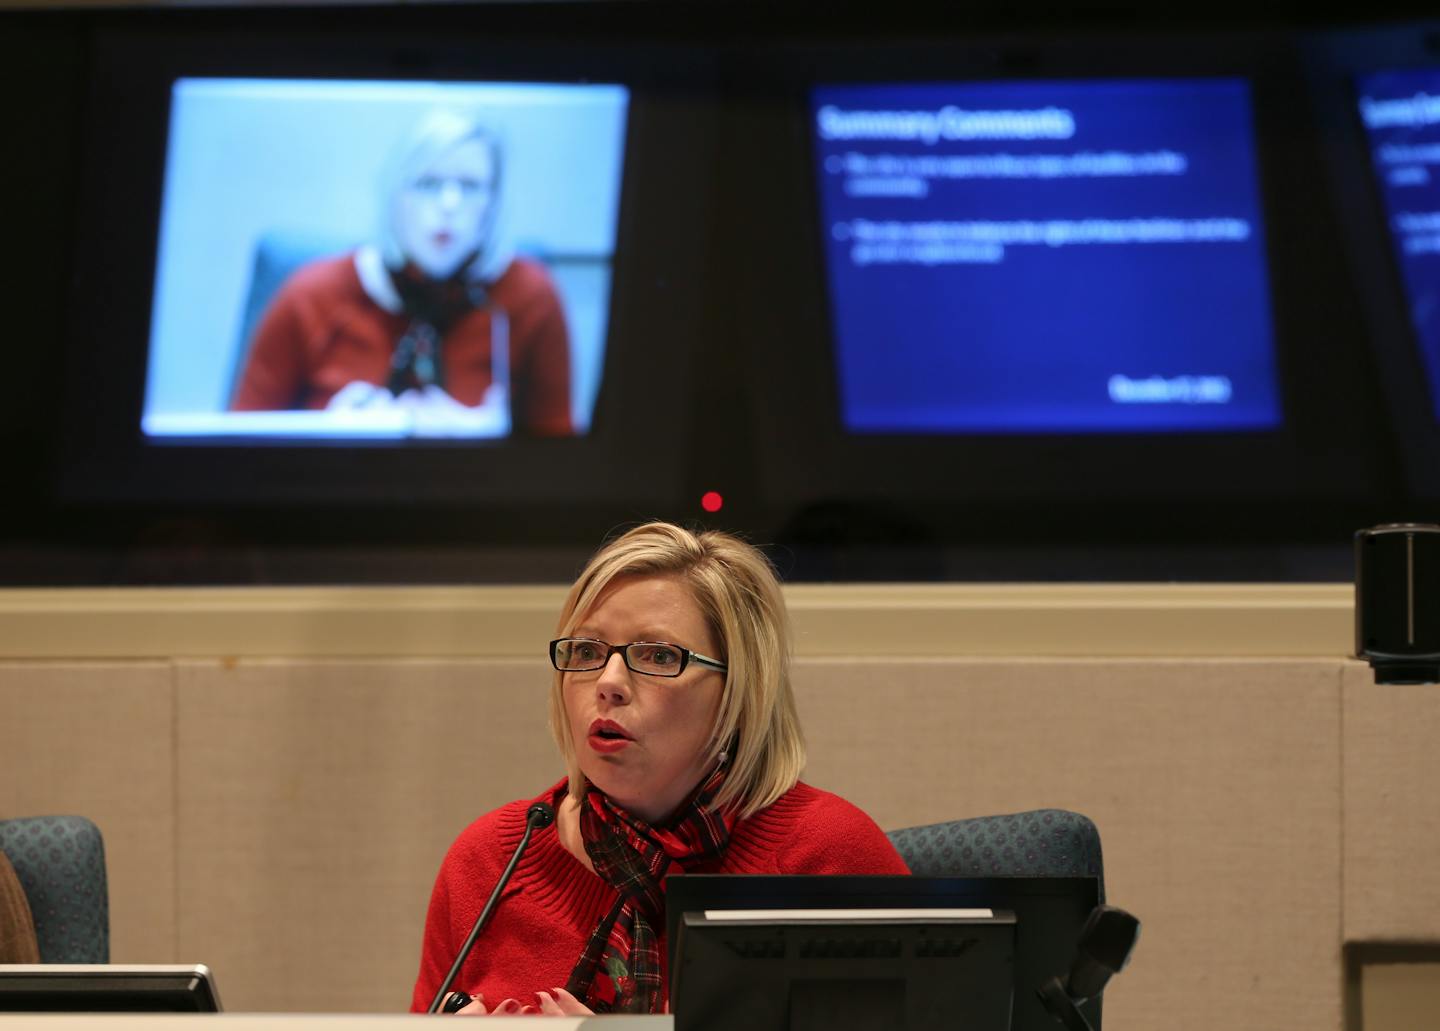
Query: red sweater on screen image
[{"x": 324, "y": 330}]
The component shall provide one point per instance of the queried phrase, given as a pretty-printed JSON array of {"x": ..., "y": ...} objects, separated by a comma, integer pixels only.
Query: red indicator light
[{"x": 712, "y": 501}]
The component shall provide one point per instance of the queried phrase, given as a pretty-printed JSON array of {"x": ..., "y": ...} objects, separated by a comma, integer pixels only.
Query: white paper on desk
[{"x": 848, "y": 916}]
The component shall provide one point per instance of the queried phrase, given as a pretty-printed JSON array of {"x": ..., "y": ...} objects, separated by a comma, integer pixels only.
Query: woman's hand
[
  {"x": 557, "y": 1002},
  {"x": 436, "y": 414},
  {"x": 476, "y": 1008},
  {"x": 360, "y": 395}
]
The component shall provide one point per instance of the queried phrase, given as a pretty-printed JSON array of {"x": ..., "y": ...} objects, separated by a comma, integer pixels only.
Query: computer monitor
[
  {"x": 1083, "y": 321},
  {"x": 724, "y": 974},
  {"x": 814, "y": 969},
  {"x": 1400, "y": 111},
  {"x": 107, "y": 988},
  {"x": 1374, "y": 96},
  {"x": 418, "y": 179}
]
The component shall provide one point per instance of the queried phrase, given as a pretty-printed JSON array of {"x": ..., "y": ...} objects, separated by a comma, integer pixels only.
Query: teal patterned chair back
[
  {"x": 1038, "y": 843},
  {"x": 60, "y": 862}
]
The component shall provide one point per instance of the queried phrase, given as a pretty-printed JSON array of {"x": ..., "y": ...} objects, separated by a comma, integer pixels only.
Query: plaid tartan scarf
[
  {"x": 619, "y": 969},
  {"x": 434, "y": 306}
]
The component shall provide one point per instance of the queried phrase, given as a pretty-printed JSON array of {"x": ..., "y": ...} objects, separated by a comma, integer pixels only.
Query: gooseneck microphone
[
  {"x": 539, "y": 815},
  {"x": 1105, "y": 944}
]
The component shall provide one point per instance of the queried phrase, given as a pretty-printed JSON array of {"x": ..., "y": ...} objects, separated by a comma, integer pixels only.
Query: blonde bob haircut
[{"x": 737, "y": 592}]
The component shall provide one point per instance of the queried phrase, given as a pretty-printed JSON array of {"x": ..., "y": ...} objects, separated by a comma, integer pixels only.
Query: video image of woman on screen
[
  {"x": 433, "y": 317},
  {"x": 672, "y": 708}
]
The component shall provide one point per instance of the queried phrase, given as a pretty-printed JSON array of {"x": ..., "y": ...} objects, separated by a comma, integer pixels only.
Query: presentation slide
[
  {"x": 358, "y": 260},
  {"x": 1401, "y": 114},
  {"x": 1046, "y": 257}
]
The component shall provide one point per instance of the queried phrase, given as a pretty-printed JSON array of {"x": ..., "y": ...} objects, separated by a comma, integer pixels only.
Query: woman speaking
[
  {"x": 434, "y": 317},
  {"x": 673, "y": 711}
]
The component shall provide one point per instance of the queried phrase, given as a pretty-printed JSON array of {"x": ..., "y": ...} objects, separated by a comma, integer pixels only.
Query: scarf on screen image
[
  {"x": 433, "y": 306},
  {"x": 619, "y": 968}
]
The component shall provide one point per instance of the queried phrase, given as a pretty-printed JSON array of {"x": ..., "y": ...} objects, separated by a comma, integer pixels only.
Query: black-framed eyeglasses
[{"x": 655, "y": 658}]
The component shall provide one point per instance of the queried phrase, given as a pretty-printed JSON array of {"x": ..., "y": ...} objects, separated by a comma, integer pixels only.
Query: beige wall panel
[
  {"x": 98, "y": 740},
  {"x": 1214, "y": 784},
  {"x": 831, "y": 621},
  {"x": 1392, "y": 818},
  {"x": 316, "y": 802},
  {"x": 1399, "y": 996}
]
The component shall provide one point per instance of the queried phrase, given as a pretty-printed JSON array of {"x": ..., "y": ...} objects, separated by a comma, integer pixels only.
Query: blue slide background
[
  {"x": 1405, "y": 159},
  {"x": 1030, "y": 343}
]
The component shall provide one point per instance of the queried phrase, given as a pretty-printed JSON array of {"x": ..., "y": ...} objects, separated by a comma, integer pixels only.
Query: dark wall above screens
[{"x": 719, "y": 370}]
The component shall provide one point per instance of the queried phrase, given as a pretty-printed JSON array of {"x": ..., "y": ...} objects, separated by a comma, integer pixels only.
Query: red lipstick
[{"x": 608, "y": 737}]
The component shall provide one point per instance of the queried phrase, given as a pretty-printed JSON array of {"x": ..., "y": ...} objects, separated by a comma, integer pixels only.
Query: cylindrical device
[{"x": 1397, "y": 601}]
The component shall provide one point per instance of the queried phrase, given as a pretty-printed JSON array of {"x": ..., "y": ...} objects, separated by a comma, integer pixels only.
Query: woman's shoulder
[
  {"x": 807, "y": 803},
  {"x": 817, "y": 831},
  {"x": 492, "y": 837},
  {"x": 322, "y": 284},
  {"x": 335, "y": 273},
  {"x": 525, "y": 283},
  {"x": 524, "y": 271}
]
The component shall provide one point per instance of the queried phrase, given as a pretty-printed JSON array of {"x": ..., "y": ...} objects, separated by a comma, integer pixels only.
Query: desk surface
[{"x": 309, "y": 1022}]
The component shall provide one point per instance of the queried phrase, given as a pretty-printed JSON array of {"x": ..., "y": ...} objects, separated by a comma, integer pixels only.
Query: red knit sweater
[
  {"x": 323, "y": 330},
  {"x": 553, "y": 901}
]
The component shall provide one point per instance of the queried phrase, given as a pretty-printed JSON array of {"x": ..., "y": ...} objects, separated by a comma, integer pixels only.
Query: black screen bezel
[
  {"x": 1334, "y": 63},
  {"x": 947, "y": 487},
  {"x": 1056, "y": 909},
  {"x": 655, "y": 298}
]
